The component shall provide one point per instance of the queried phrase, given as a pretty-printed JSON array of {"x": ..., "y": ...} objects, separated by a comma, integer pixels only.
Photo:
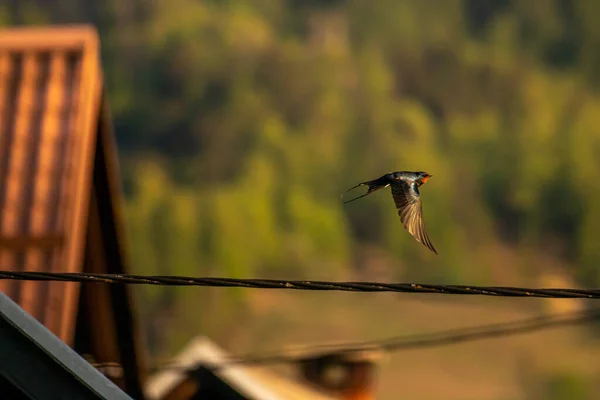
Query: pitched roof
[
  {"x": 250, "y": 382},
  {"x": 60, "y": 192}
]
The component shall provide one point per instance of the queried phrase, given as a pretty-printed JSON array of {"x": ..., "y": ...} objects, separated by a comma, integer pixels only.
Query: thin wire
[
  {"x": 435, "y": 339},
  {"x": 406, "y": 342},
  {"x": 503, "y": 291}
]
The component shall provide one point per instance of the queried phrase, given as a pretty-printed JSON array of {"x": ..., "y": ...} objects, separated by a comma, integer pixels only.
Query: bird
[{"x": 405, "y": 192}]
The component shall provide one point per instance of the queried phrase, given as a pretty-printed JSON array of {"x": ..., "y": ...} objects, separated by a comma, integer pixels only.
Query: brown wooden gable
[{"x": 60, "y": 192}]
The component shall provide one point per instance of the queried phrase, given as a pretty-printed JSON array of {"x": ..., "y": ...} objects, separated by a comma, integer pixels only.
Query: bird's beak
[{"x": 426, "y": 178}]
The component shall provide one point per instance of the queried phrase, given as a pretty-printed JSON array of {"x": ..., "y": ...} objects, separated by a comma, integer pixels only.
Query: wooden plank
[
  {"x": 8, "y": 83},
  {"x": 15, "y": 186},
  {"x": 23, "y": 242},
  {"x": 10, "y": 76},
  {"x": 54, "y": 304},
  {"x": 43, "y": 203},
  {"x": 74, "y": 37},
  {"x": 8, "y": 80},
  {"x": 80, "y": 188}
]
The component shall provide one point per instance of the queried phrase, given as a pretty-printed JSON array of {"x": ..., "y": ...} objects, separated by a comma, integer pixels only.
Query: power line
[
  {"x": 435, "y": 339},
  {"x": 83, "y": 277},
  {"x": 404, "y": 343}
]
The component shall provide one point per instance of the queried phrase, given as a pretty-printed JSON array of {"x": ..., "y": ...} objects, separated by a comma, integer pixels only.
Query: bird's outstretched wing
[{"x": 408, "y": 202}]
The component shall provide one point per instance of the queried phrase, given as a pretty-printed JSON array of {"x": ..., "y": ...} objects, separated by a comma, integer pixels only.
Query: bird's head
[{"x": 422, "y": 177}]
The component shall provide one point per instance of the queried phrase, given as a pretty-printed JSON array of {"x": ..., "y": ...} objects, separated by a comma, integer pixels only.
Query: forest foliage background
[{"x": 239, "y": 124}]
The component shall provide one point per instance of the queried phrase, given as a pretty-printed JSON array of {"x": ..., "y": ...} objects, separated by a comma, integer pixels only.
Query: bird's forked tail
[{"x": 374, "y": 185}]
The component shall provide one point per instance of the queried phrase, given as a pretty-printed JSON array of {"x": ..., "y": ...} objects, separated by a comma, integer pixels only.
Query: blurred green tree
[{"x": 240, "y": 122}]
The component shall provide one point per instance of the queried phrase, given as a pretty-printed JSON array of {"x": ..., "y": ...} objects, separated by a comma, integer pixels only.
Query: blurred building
[
  {"x": 60, "y": 194},
  {"x": 200, "y": 371}
]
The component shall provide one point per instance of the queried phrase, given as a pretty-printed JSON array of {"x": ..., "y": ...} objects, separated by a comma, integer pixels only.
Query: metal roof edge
[{"x": 60, "y": 358}]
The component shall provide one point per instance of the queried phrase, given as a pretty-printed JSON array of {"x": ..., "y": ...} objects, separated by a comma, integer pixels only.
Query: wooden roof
[
  {"x": 193, "y": 378},
  {"x": 60, "y": 192}
]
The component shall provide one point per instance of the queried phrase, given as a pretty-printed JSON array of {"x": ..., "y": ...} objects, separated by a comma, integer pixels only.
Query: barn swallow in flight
[{"x": 405, "y": 191}]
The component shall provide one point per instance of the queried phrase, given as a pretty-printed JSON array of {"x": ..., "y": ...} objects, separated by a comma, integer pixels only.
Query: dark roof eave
[{"x": 41, "y": 365}]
